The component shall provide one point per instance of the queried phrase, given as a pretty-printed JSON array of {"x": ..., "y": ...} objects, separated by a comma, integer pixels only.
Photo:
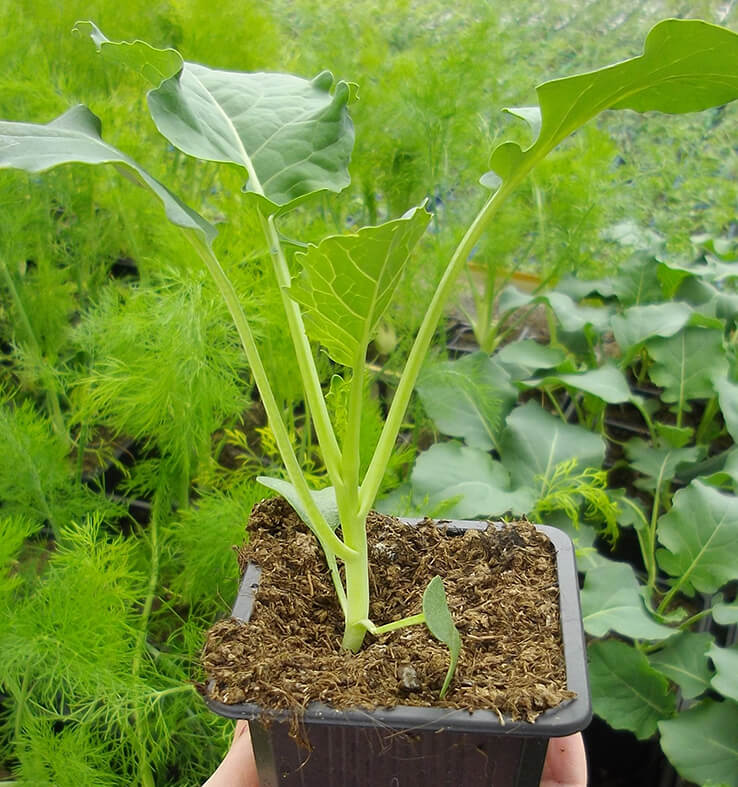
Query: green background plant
[{"x": 72, "y": 243}]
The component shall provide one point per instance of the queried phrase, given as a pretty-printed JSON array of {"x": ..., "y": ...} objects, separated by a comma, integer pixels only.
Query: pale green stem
[
  {"x": 386, "y": 443},
  {"x": 651, "y": 545},
  {"x": 326, "y": 536},
  {"x": 308, "y": 372},
  {"x": 412, "y": 620}
]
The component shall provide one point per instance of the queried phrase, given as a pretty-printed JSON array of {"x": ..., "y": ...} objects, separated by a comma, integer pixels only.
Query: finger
[{"x": 566, "y": 762}]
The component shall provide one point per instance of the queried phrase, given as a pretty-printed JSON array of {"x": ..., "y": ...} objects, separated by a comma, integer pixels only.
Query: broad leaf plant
[{"x": 292, "y": 138}]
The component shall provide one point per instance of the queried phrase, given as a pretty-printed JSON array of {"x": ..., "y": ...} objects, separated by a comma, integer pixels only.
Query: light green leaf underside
[
  {"x": 686, "y": 66},
  {"x": 700, "y": 536},
  {"x": 611, "y": 601},
  {"x": 75, "y": 137},
  {"x": 325, "y": 500},
  {"x": 683, "y": 660},
  {"x": 441, "y": 624},
  {"x": 701, "y": 743},
  {"x": 291, "y": 135},
  {"x": 348, "y": 282},
  {"x": 626, "y": 691}
]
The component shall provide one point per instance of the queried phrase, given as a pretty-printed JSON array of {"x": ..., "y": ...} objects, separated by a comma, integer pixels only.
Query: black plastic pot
[{"x": 409, "y": 746}]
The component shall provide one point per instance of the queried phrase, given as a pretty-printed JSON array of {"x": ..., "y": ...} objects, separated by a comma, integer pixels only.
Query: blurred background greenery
[{"x": 91, "y": 274}]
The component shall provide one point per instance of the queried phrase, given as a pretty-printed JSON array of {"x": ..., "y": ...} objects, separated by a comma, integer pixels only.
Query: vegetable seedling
[{"x": 293, "y": 138}]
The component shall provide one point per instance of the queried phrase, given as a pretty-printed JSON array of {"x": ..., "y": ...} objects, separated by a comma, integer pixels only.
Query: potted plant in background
[{"x": 293, "y": 138}]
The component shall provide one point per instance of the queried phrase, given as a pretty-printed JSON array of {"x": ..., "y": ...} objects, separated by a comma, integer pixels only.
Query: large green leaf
[
  {"x": 684, "y": 365},
  {"x": 606, "y": 383},
  {"x": 626, "y": 692},
  {"x": 478, "y": 485},
  {"x": 75, "y": 137},
  {"x": 534, "y": 442},
  {"x": 348, "y": 281},
  {"x": 702, "y": 745},
  {"x": 612, "y": 601},
  {"x": 525, "y": 357},
  {"x": 726, "y": 670},
  {"x": 684, "y": 660},
  {"x": 639, "y": 323},
  {"x": 467, "y": 398},
  {"x": 291, "y": 135},
  {"x": 660, "y": 462},
  {"x": 686, "y": 66},
  {"x": 700, "y": 536}
]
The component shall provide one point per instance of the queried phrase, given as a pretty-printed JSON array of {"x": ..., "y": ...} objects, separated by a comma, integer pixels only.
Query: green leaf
[
  {"x": 156, "y": 65},
  {"x": 626, "y": 692},
  {"x": 685, "y": 365},
  {"x": 728, "y": 397},
  {"x": 684, "y": 660},
  {"x": 637, "y": 281},
  {"x": 325, "y": 500},
  {"x": 441, "y": 624},
  {"x": 574, "y": 317},
  {"x": 727, "y": 475},
  {"x": 686, "y": 66},
  {"x": 527, "y": 356},
  {"x": 724, "y": 613},
  {"x": 606, "y": 383},
  {"x": 659, "y": 462},
  {"x": 348, "y": 282},
  {"x": 612, "y": 601},
  {"x": 478, "y": 485},
  {"x": 700, "y": 536},
  {"x": 75, "y": 137},
  {"x": 726, "y": 670},
  {"x": 467, "y": 398},
  {"x": 534, "y": 442},
  {"x": 291, "y": 135},
  {"x": 701, "y": 743},
  {"x": 639, "y": 323}
]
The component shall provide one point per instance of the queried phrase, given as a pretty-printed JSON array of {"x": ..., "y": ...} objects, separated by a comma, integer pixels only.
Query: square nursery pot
[{"x": 408, "y": 746}]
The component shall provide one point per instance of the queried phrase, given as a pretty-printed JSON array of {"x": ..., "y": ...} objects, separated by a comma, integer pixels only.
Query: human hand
[
  {"x": 566, "y": 763},
  {"x": 238, "y": 768}
]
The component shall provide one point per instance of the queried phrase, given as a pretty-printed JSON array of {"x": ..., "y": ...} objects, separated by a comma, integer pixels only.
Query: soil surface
[{"x": 501, "y": 589}]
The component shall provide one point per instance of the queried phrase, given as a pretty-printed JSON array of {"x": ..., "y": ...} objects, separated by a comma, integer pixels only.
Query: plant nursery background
[{"x": 585, "y": 375}]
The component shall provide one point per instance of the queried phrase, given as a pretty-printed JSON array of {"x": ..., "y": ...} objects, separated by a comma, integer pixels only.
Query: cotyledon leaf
[
  {"x": 75, "y": 137},
  {"x": 441, "y": 625},
  {"x": 293, "y": 136},
  {"x": 686, "y": 66},
  {"x": 348, "y": 281}
]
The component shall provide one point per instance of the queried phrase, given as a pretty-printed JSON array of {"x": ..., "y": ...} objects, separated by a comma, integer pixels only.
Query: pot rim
[{"x": 568, "y": 717}]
